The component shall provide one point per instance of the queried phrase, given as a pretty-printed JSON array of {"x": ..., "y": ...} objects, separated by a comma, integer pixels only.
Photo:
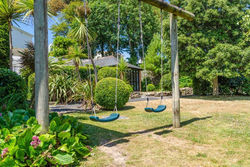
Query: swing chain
[{"x": 117, "y": 53}]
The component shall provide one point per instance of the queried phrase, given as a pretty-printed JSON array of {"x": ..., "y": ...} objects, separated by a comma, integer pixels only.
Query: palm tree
[
  {"x": 76, "y": 54},
  {"x": 27, "y": 7},
  {"x": 122, "y": 67},
  {"x": 28, "y": 57},
  {"x": 9, "y": 13},
  {"x": 79, "y": 32}
]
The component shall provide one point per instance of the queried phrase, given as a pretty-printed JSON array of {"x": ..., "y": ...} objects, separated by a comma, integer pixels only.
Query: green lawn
[{"x": 214, "y": 132}]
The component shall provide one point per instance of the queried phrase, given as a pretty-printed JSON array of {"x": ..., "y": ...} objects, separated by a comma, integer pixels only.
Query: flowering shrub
[{"x": 23, "y": 145}]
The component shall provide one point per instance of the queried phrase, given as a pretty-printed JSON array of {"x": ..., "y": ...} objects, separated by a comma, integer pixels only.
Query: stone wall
[{"x": 183, "y": 92}]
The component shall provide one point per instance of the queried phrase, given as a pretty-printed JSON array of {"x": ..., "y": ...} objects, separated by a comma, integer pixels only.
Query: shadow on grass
[
  {"x": 218, "y": 98},
  {"x": 102, "y": 136}
]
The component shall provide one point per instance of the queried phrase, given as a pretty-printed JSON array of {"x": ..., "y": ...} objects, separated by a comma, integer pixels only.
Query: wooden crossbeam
[{"x": 171, "y": 8}]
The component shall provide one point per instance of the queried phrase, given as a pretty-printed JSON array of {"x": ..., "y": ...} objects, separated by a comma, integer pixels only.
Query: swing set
[{"x": 175, "y": 11}]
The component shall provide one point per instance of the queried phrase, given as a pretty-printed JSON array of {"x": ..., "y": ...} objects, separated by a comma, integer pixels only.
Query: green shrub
[
  {"x": 166, "y": 81},
  {"x": 234, "y": 86},
  {"x": 31, "y": 85},
  {"x": 13, "y": 90},
  {"x": 186, "y": 81},
  {"x": 105, "y": 93},
  {"x": 143, "y": 83},
  {"x": 70, "y": 71},
  {"x": 201, "y": 87},
  {"x": 64, "y": 144},
  {"x": 62, "y": 88},
  {"x": 151, "y": 87},
  {"x": 106, "y": 72},
  {"x": 4, "y": 46}
]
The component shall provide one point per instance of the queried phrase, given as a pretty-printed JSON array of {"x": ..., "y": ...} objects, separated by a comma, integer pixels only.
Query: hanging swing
[
  {"x": 114, "y": 116},
  {"x": 160, "y": 107}
]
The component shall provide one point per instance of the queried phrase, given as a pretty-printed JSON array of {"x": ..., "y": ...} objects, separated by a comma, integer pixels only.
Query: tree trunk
[
  {"x": 41, "y": 64},
  {"x": 215, "y": 86},
  {"x": 175, "y": 71},
  {"x": 11, "y": 46},
  {"x": 95, "y": 71}
]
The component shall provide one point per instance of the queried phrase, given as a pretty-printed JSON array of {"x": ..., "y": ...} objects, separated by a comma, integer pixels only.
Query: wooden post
[
  {"x": 175, "y": 71},
  {"x": 41, "y": 64}
]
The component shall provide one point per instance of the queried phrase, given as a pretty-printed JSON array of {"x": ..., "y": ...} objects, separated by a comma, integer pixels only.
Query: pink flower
[
  {"x": 35, "y": 142},
  {"x": 4, "y": 152},
  {"x": 1, "y": 114}
]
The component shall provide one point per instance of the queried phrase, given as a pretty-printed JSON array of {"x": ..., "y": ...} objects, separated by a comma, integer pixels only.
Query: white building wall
[{"x": 20, "y": 38}]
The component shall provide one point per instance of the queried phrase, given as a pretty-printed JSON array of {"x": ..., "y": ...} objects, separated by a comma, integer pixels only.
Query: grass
[{"x": 214, "y": 132}]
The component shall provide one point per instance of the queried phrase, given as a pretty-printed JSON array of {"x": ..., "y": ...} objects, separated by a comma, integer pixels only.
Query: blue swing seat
[
  {"x": 112, "y": 117},
  {"x": 160, "y": 108}
]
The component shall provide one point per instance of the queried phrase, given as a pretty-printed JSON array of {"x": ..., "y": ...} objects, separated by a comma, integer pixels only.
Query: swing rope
[
  {"x": 161, "y": 57},
  {"x": 117, "y": 55},
  {"x": 143, "y": 53},
  {"x": 89, "y": 57}
]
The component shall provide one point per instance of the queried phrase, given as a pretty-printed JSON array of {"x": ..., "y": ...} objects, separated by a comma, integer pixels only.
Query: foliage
[
  {"x": 65, "y": 89},
  {"x": 166, "y": 82},
  {"x": 102, "y": 18},
  {"x": 31, "y": 85},
  {"x": 122, "y": 67},
  {"x": 70, "y": 71},
  {"x": 4, "y": 46},
  {"x": 106, "y": 72},
  {"x": 223, "y": 60},
  {"x": 13, "y": 90},
  {"x": 151, "y": 87},
  {"x": 16, "y": 118},
  {"x": 143, "y": 83},
  {"x": 234, "y": 86},
  {"x": 201, "y": 87},
  {"x": 153, "y": 59},
  {"x": 185, "y": 81},
  {"x": 9, "y": 11},
  {"x": 62, "y": 145},
  {"x": 28, "y": 57},
  {"x": 61, "y": 46},
  {"x": 105, "y": 93}
]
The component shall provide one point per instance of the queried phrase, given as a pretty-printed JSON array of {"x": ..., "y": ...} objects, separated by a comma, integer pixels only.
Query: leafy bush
[
  {"x": 234, "y": 86},
  {"x": 62, "y": 88},
  {"x": 13, "y": 90},
  {"x": 24, "y": 145},
  {"x": 201, "y": 87},
  {"x": 185, "y": 81},
  {"x": 105, "y": 93},
  {"x": 106, "y": 72},
  {"x": 31, "y": 85},
  {"x": 143, "y": 83},
  {"x": 4, "y": 46},
  {"x": 15, "y": 118},
  {"x": 151, "y": 87},
  {"x": 166, "y": 81},
  {"x": 70, "y": 71}
]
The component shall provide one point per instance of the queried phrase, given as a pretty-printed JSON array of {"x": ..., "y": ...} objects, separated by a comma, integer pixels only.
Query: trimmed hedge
[
  {"x": 106, "y": 72},
  {"x": 13, "y": 90},
  {"x": 105, "y": 93}
]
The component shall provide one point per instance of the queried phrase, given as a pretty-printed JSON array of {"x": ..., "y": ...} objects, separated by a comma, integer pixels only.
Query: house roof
[
  {"x": 22, "y": 31},
  {"x": 107, "y": 61}
]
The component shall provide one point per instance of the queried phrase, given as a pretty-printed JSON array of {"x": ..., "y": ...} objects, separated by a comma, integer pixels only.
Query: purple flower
[
  {"x": 35, "y": 142},
  {"x": 4, "y": 152},
  {"x": 1, "y": 114}
]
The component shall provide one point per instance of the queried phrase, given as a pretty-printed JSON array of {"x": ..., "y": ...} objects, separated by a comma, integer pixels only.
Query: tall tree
[
  {"x": 216, "y": 22},
  {"x": 9, "y": 13},
  {"x": 41, "y": 64}
]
